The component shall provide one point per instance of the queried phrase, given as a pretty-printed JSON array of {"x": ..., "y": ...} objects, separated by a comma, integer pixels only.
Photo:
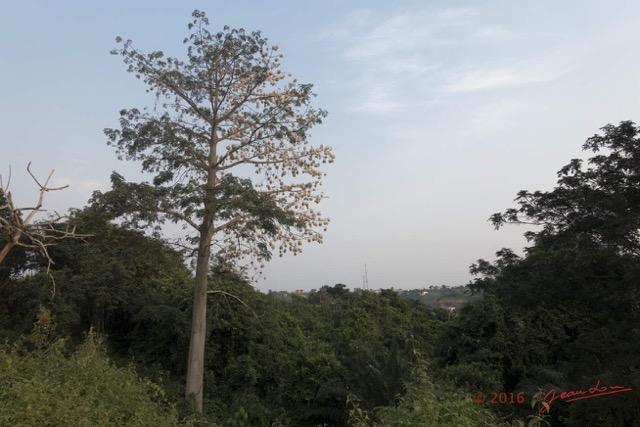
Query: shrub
[
  {"x": 45, "y": 387},
  {"x": 429, "y": 403}
]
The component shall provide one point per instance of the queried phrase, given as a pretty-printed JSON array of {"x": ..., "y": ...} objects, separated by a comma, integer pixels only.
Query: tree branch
[
  {"x": 39, "y": 235},
  {"x": 227, "y": 294}
]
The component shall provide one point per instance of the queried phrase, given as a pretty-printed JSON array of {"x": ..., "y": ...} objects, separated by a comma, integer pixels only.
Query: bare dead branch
[
  {"x": 29, "y": 233},
  {"x": 4, "y": 189},
  {"x": 45, "y": 187}
]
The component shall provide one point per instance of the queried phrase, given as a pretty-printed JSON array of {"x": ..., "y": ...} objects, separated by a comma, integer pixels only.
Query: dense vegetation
[
  {"x": 566, "y": 315},
  {"x": 268, "y": 362},
  {"x": 101, "y": 338},
  {"x": 43, "y": 386}
]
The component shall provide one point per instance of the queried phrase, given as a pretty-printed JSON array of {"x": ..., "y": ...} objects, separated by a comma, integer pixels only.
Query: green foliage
[
  {"x": 224, "y": 110},
  {"x": 428, "y": 403},
  {"x": 474, "y": 346},
  {"x": 537, "y": 419},
  {"x": 261, "y": 356},
  {"x": 567, "y": 313},
  {"x": 599, "y": 204},
  {"x": 19, "y": 304},
  {"x": 47, "y": 387},
  {"x": 375, "y": 337},
  {"x": 120, "y": 282},
  {"x": 295, "y": 364}
]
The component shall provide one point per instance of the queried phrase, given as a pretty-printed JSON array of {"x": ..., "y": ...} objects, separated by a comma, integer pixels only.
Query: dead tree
[{"x": 24, "y": 229}]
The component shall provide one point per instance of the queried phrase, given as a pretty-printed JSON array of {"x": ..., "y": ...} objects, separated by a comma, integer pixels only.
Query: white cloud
[
  {"x": 386, "y": 56},
  {"x": 405, "y": 63},
  {"x": 401, "y": 61},
  {"x": 404, "y": 31},
  {"x": 541, "y": 68},
  {"x": 491, "y": 32},
  {"x": 483, "y": 78}
]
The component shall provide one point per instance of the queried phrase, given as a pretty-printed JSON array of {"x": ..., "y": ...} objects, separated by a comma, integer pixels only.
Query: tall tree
[{"x": 226, "y": 111}]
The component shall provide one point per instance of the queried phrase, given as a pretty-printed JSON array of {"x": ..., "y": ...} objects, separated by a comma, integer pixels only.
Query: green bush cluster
[
  {"x": 426, "y": 403},
  {"x": 47, "y": 387}
]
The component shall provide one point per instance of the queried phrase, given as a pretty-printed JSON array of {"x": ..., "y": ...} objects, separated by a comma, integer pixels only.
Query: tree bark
[
  {"x": 10, "y": 244},
  {"x": 5, "y": 250},
  {"x": 195, "y": 370}
]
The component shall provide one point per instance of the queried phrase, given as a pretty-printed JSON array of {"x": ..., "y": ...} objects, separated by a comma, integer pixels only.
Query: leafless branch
[{"x": 29, "y": 233}]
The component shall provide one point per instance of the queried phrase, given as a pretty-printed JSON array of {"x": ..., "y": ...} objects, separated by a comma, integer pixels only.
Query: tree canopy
[
  {"x": 566, "y": 313},
  {"x": 599, "y": 203}
]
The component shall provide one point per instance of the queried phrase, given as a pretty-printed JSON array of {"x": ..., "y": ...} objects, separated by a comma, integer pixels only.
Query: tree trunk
[
  {"x": 195, "y": 370},
  {"x": 5, "y": 251},
  {"x": 10, "y": 244}
]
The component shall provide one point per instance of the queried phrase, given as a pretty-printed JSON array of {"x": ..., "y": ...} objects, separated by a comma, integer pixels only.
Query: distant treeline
[{"x": 445, "y": 297}]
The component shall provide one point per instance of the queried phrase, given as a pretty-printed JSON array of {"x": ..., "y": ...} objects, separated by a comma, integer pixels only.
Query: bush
[
  {"x": 429, "y": 403},
  {"x": 45, "y": 387}
]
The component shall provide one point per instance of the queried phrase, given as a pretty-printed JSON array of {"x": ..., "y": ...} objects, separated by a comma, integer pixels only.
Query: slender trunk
[{"x": 195, "y": 370}]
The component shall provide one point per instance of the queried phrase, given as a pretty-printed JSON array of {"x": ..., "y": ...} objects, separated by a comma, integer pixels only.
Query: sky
[{"x": 439, "y": 113}]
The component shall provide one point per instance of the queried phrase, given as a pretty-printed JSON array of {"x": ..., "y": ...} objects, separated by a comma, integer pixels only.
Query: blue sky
[{"x": 439, "y": 112}]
